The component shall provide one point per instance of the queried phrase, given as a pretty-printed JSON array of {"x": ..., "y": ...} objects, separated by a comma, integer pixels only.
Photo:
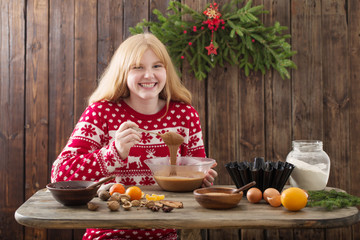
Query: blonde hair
[{"x": 113, "y": 87}]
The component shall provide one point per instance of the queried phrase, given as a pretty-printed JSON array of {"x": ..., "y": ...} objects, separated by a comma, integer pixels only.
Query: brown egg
[
  {"x": 270, "y": 192},
  {"x": 254, "y": 195},
  {"x": 275, "y": 201}
]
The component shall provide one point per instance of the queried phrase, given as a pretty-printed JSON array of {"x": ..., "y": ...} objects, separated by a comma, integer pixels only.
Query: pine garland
[
  {"x": 233, "y": 35},
  {"x": 332, "y": 199}
]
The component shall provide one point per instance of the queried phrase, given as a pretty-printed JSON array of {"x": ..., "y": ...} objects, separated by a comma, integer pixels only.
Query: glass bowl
[{"x": 187, "y": 175}]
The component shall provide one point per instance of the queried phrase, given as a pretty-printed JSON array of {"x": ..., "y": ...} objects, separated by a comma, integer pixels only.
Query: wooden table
[{"x": 42, "y": 211}]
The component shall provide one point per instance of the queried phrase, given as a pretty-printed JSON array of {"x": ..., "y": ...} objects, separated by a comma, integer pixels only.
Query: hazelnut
[
  {"x": 104, "y": 195},
  {"x": 92, "y": 206},
  {"x": 113, "y": 205}
]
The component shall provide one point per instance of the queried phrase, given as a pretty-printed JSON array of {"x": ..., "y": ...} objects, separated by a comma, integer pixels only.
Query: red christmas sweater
[{"x": 90, "y": 153}]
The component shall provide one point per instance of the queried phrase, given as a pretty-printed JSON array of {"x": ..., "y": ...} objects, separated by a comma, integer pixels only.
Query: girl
[{"x": 140, "y": 88}]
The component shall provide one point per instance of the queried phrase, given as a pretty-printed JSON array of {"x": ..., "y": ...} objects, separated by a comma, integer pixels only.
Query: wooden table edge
[
  {"x": 49, "y": 223},
  {"x": 180, "y": 224}
]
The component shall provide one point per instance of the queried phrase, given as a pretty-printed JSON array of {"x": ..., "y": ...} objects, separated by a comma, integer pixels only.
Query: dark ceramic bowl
[
  {"x": 217, "y": 197},
  {"x": 72, "y": 193}
]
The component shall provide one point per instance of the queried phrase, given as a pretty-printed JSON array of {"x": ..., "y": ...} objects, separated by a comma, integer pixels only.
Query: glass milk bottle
[{"x": 312, "y": 165}]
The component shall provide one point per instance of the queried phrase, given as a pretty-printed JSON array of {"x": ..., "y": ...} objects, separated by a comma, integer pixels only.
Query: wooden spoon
[
  {"x": 245, "y": 187},
  {"x": 100, "y": 182},
  {"x": 142, "y": 130}
]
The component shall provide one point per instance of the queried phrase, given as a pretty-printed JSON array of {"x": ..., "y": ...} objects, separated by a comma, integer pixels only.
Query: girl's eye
[
  {"x": 158, "y": 66},
  {"x": 137, "y": 67}
]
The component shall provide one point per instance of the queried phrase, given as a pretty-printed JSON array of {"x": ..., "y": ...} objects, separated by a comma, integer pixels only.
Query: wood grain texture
[
  {"x": 12, "y": 109},
  {"x": 307, "y": 81},
  {"x": 110, "y": 31},
  {"x": 278, "y": 127},
  {"x": 85, "y": 49},
  {"x": 307, "y": 90},
  {"x": 335, "y": 61},
  {"x": 61, "y": 85},
  {"x": 353, "y": 8},
  {"x": 36, "y": 112},
  {"x": 43, "y": 210},
  {"x": 135, "y": 11}
]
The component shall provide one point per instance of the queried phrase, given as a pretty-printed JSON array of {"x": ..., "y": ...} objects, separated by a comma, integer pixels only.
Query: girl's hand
[
  {"x": 209, "y": 177},
  {"x": 126, "y": 137}
]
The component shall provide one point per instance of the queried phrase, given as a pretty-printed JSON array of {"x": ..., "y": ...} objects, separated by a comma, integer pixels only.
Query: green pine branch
[
  {"x": 244, "y": 41},
  {"x": 332, "y": 199}
]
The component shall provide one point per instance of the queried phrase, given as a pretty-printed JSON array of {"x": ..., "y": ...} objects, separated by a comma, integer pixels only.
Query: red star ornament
[{"x": 211, "y": 49}]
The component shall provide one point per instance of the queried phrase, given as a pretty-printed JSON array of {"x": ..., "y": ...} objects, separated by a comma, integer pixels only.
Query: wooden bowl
[
  {"x": 217, "y": 198},
  {"x": 72, "y": 193}
]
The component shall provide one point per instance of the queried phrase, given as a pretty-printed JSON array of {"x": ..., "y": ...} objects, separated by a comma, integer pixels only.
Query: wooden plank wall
[{"x": 52, "y": 53}]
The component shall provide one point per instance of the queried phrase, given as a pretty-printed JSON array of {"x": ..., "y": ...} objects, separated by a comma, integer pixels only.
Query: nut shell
[
  {"x": 92, "y": 206},
  {"x": 104, "y": 195},
  {"x": 113, "y": 205},
  {"x": 124, "y": 198},
  {"x": 135, "y": 203},
  {"x": 149, "y": 204},
  {"x": 127, "y": 205},
  {"x": 115, "y": 197}
]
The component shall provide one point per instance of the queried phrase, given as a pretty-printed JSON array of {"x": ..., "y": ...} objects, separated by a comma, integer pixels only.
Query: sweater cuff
[
  {"x": 111, "y": 160},
  {"x": 114, "y": 149}
]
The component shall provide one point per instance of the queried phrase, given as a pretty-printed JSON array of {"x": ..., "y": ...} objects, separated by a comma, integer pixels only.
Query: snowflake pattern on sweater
[{"x": 90, "y": 153}]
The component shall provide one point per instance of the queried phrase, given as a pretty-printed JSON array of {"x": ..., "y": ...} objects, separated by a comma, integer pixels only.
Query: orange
[
  {"x": 117, "y": 187},
  {"x": 294, "y": 198},
  {"x": 134, "y": 192}
]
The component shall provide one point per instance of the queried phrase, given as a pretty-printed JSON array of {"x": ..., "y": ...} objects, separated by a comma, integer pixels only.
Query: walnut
[
  {"x": 127, "y": 205},
  {"x": 92, "y": 206},
  {"x": 115, "y": 197},
  {"x": 113, "y": 205},
  {"x": 104, "y": 195},
  {"x": 124, "y": 198},
  {"x": 135, "y": 203},
  {"x": 150, "y": 204}
]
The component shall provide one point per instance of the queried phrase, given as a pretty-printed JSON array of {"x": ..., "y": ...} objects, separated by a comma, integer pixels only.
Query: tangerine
[
  {"x": 294, "y": 199},
  {"x": 154, "y": 197},
  {"x": 134, "y": 192},
  {"x": 117, "y": 187}
]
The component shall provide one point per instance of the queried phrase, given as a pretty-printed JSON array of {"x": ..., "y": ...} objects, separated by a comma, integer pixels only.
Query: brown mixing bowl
[
  {"x": 217, "y": 197},
  {"x": 72, "y": 193}
]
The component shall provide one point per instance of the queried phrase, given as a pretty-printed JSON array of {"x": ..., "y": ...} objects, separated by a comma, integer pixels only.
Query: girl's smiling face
[{"x": 146, "y": 80}]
